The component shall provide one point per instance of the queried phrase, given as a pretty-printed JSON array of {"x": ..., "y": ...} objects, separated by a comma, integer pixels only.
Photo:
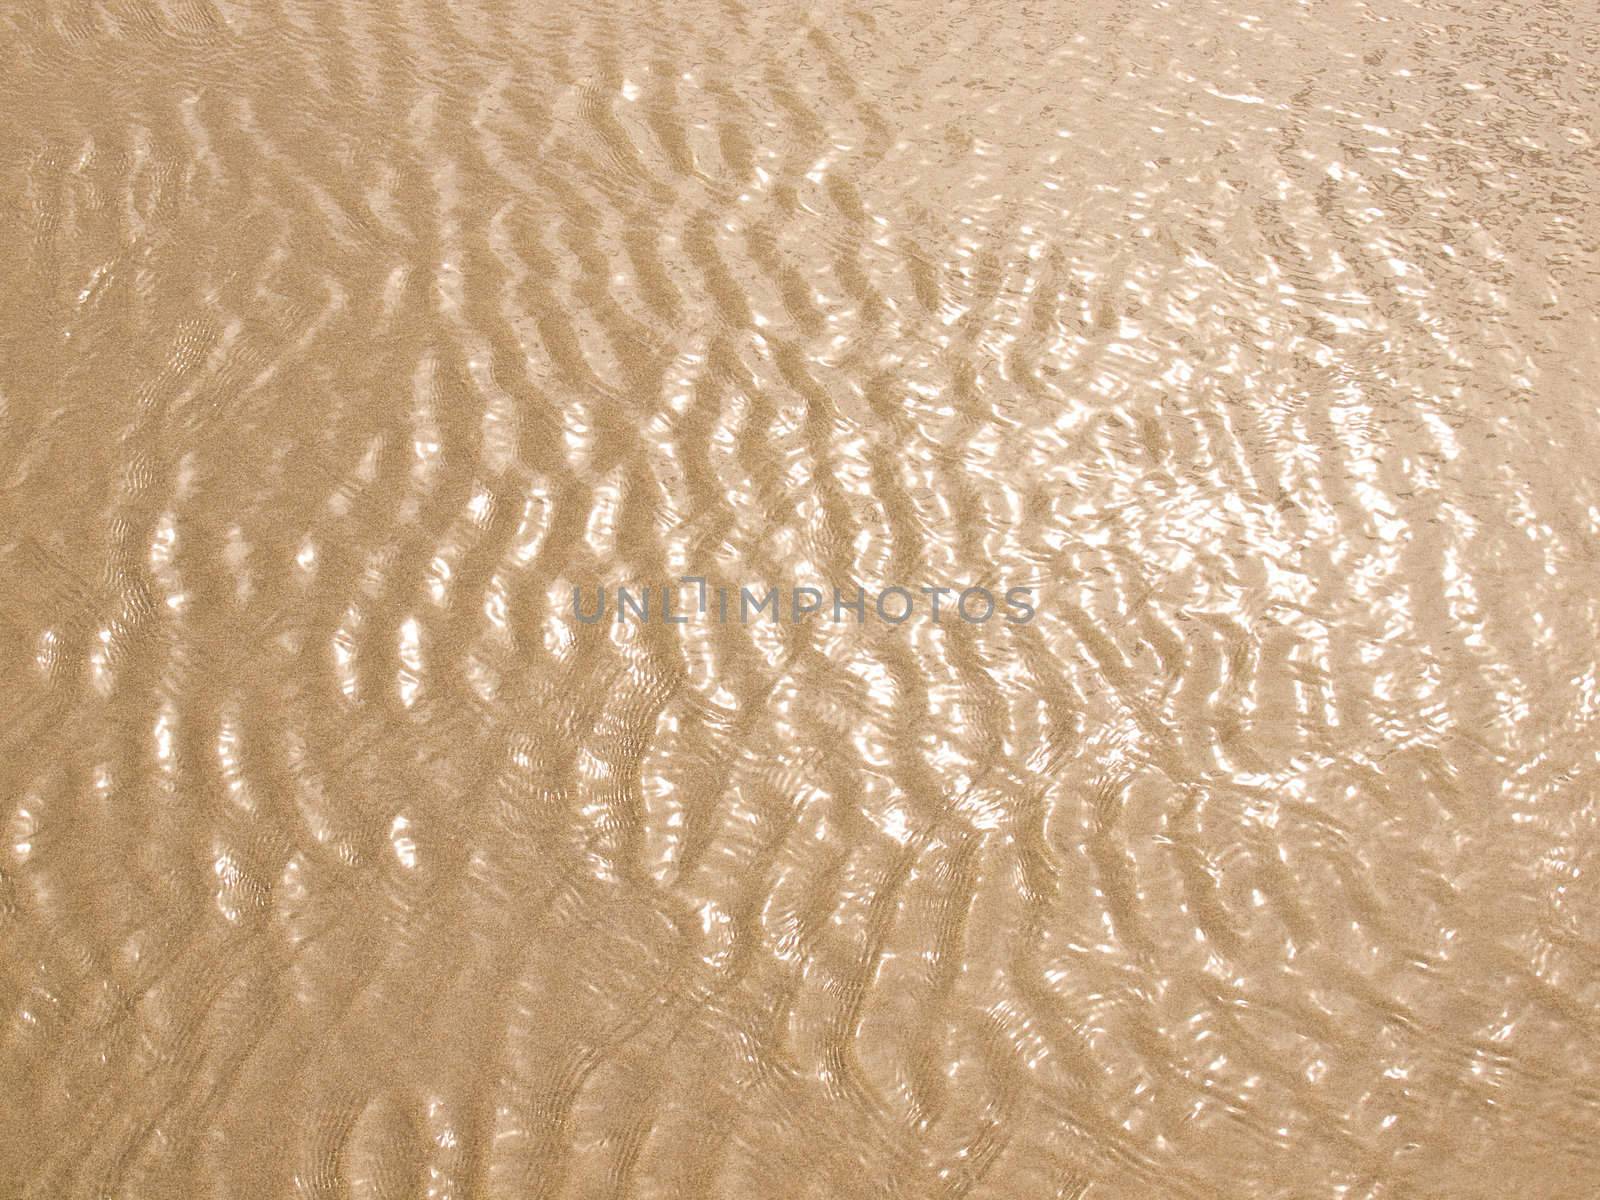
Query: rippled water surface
[{"x": 341, "y": 339}]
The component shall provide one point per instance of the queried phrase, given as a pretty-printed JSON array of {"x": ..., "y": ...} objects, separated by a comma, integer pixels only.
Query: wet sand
[{"x": 340, "y": 340}]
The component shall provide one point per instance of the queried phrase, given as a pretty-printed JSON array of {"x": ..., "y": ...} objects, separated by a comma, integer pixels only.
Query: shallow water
[{"x": 340, "y": 340}]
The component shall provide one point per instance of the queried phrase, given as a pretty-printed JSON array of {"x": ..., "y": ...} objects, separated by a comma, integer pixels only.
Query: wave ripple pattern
[{"x": 341, "y": 339}]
